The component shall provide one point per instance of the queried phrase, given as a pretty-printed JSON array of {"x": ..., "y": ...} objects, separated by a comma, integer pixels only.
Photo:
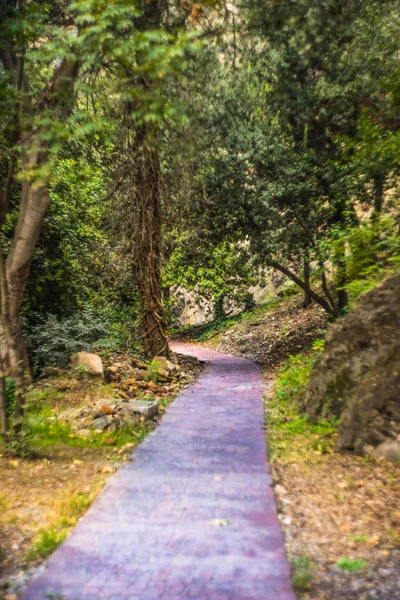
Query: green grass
[
  {"x": 47, "y": 541},
  {"x": 290, "y": 432},
  {"x": 351, "y": 565},
  {"x": 43, "y": 432},
  {"x": 359, "y": 539},
  {"x": 302, "y": 573}
]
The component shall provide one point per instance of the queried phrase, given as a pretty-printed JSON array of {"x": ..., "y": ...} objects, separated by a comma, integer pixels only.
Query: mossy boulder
[{"x": 357, "y": 377}]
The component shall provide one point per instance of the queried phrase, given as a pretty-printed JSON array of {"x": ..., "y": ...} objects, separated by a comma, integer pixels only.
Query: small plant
[
  {"x": 47, "y": 541},
  {"x": 81, "y": 371},
  {"x": 302, "y": 573},
  {"x": 351, "y": 565},
  {"x": 19, "y": 445}
]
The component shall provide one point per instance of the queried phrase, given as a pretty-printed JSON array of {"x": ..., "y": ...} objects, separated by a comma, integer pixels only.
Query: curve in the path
[{"x": 193, "y": 515}]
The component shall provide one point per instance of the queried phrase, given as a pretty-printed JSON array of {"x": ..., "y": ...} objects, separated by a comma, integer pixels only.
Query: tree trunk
[
  {"x": 341, "y": 276},
  {"x": 35, "y": 201},
  {"x": 306, "y": 275},
  {"x": 147, "y": 244},
  {"x": 379, "y": 185},
  {"x": 3, "y": 404},
  {"x": 319, "y": 299}
]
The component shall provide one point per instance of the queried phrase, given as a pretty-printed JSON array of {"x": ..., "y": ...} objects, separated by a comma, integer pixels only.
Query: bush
[{"x": 53, "y": 340}]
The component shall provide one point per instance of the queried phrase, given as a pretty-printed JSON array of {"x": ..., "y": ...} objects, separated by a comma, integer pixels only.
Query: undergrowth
[
  {"x": 290, "y": 433},
  {"x": 45, "y": 429}
]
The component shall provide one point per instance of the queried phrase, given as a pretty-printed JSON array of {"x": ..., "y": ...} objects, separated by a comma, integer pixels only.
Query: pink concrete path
[{"x": 193, "y": 515}]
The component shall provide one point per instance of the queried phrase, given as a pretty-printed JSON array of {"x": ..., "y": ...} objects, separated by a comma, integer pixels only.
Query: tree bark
[
  {"x": 306, "y": 274},
  {"x": 147, "y": 244}
]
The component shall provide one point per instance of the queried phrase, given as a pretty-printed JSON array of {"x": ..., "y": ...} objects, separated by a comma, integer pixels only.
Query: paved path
[{"x": 193, "y": 515}]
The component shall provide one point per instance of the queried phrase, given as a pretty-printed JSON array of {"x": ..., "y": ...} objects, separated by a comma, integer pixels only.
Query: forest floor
[
  {"x": 44, "y": 495},
  {"x": 340, "y": 513}
]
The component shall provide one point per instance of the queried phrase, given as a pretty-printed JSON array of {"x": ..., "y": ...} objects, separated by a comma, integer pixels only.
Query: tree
[{"x": 30, "y": 144}]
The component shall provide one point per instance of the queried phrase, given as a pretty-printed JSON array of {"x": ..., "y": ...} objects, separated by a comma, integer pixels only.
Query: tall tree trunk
[
  {"x": 35, "y": 200},
  {"x": 147, "y": 244}
]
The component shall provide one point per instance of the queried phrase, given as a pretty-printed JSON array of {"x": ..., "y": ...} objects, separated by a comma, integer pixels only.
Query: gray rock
[
  {"x": 357, "y": 377},
  {"x": 146, "y": 409},
  {"x": 102, "y": 422},
  {"x": 389, "y": 450}
]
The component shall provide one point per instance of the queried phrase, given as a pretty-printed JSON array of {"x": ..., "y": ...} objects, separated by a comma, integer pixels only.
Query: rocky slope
[{"x": 357, "y": 377}]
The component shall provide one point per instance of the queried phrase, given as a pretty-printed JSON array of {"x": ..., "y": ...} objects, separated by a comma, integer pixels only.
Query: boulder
[
  {"x": 90, "y": 364},
  {"x": 357, "y": 377}
]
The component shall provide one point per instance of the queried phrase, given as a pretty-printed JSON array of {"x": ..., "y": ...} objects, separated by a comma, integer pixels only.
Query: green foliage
[
  {"x": 48, "y": 540},
  {"x": 302, "y": 573},
  {"x": 373, "y": 253},
  {"x": 44, "y": 432},
  {"x": 293, "y": 376},
  {"x": 10, "y": 387},
  {"x": 290, "y": 432},
  {"x": 19, "y": 445},
  {"x": 53, "y": 341},
  {"x": 351, "y": 565}
]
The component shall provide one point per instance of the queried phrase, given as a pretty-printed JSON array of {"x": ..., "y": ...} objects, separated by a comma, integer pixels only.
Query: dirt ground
[
  {"x": 334, "y": 506},
  {"x": 35, "y": 493}
]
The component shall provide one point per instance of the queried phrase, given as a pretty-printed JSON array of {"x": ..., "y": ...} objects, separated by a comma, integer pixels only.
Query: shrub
[{"x": 53, "y": 340}]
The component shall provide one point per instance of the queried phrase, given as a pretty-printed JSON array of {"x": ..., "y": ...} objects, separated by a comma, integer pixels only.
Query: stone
[
  {"x": 87, "y": 422},
  {"x": 162, "y": 363},
  {"x": 357, "y": 377},
  {"x": 146, "y": 409},
  {"x": 102, "y": 422},
  {"x": 83, "y": 433},
  {"x": 90, "y": 364},
  {"x": 389, "y": 450},
  {"x": 138, "y": 364}
]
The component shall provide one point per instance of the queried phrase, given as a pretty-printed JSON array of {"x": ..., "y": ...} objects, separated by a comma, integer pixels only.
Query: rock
[
  {"x": 112, "y": 374},
  {"x": 101, "y": 423},
  {"x": 90, "y": 364},
  {"x": 127, "y": 416},
  {"x": 389, "y": 450},
  {"x": 357, "y": 377},
  {"x": 146, "y": 409},
  {"x": 162, "y": 363},
  {"x": 174, "y": 358},
  {"x": 83, "y": 433},
  {"x": 87, "y": 422},
  {"x": 141, "y": 374},
  {"x": 138, "y": 364}
]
